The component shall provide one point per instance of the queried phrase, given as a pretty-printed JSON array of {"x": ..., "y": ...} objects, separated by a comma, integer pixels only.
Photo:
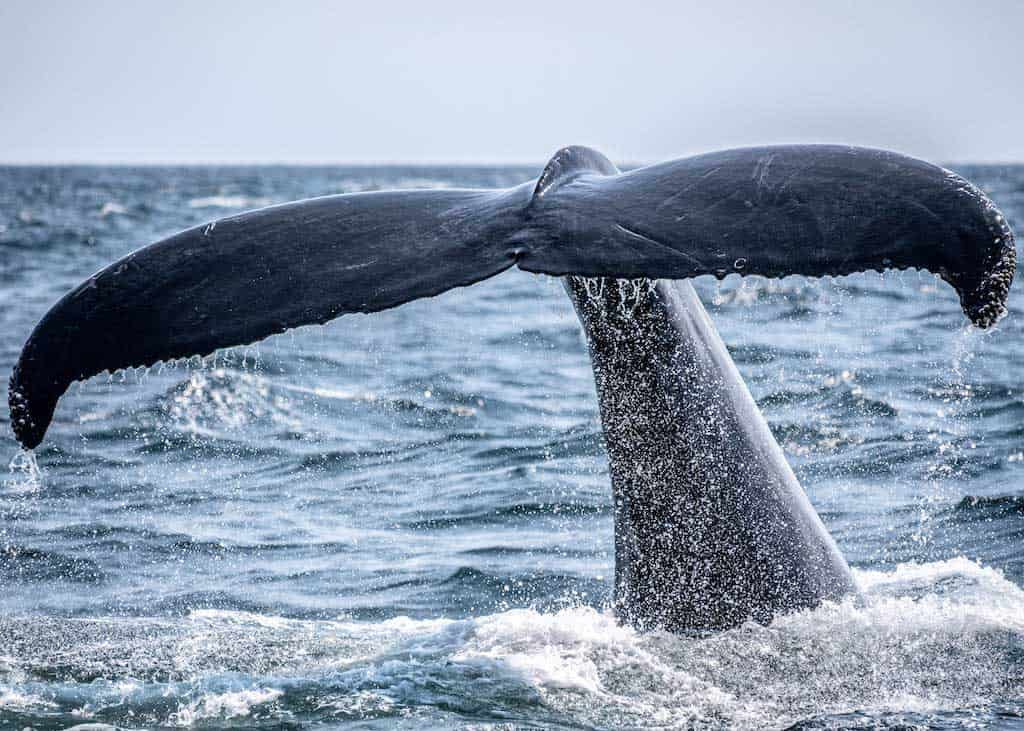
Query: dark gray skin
[{"x": 712, "y": 527}]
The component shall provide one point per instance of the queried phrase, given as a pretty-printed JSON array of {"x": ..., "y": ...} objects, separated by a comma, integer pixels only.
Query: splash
[
  {"x": 953, "y": 443},
  {"x": 221, "y": 398},
  {"x": 886, "y": 653},
  {"x": 227, "y": 705},
  {"x": 24, "y": 473}
]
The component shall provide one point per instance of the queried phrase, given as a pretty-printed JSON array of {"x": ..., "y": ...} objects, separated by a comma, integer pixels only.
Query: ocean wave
[
  {"x": 985, "y": 508},
  {"x": 584, "y": 440},
  {"x": 276, "y": 486},
  {"x": 508, "y": 514},
  {"x": 112, "y": 208},
  {"x": 28, "y": 564},
  {"x": 369, "y": 184},
  {"x": 229, "y": 201},
  {"x": 887, "y": 652}
]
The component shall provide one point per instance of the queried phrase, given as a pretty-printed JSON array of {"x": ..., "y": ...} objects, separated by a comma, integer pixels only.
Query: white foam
[
  {"x": 13, "y": 700},
  {"x": 232, "y": 704},
  {"x": 924, "y": 637},
  {"x": 112, "y": 208},
  {"x": 228, "y": 616},
  {"x": 554, "y": 650}
]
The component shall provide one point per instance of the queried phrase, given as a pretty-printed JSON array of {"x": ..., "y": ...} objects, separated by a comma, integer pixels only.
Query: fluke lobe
[{"x": 711, "y": 525}]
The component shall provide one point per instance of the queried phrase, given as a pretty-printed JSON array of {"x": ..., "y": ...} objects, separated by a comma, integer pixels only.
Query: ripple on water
[{"x": 195, "y": 531}]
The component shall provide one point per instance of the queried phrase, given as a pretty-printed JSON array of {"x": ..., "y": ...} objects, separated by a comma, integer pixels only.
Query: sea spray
[{"x": 24, "y": 475}]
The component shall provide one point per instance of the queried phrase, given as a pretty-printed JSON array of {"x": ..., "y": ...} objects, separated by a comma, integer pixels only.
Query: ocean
[{"x": 403, "y": 520}]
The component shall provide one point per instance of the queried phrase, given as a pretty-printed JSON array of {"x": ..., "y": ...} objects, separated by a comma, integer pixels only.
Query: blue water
[{"x": 403, "y": 519}]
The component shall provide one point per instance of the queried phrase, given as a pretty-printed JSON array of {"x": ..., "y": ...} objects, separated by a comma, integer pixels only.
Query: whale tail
[{"x": 773, "y": 211}]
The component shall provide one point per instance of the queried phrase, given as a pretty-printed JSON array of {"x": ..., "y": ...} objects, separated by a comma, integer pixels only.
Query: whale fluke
[
  {"x": 816, "y": 210},
  {"x": 774, "y": 211},
  {"x": 243, "y": 278}
]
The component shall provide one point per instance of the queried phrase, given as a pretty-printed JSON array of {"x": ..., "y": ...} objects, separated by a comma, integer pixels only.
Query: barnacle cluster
[{"x": 985, "y": 302}]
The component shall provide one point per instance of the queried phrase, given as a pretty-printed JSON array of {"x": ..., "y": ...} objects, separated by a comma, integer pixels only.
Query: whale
[{"x": 711, "y": 526}]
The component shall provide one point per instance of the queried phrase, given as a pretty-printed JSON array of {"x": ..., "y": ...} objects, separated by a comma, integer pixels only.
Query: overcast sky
[{"x": 462, "y": 82}]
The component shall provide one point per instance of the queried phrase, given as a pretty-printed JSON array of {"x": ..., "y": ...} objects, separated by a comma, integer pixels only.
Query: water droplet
[{"x": 25, "y": 473}]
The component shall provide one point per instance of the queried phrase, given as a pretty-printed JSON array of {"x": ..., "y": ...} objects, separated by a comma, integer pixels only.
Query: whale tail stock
[{"x": 814, "y": 210}]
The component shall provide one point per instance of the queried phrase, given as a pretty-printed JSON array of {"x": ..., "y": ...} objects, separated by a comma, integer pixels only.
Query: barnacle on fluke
[
  {"x": 984, "y": 300},
  {"x": 984, "y": 272},
  {"x": 985, "y": 303}
]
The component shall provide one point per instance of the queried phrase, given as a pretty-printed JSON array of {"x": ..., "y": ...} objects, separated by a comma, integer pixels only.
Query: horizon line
[
  {"x": 200, "y": 162},
  {"x": 384, "y": 162}
]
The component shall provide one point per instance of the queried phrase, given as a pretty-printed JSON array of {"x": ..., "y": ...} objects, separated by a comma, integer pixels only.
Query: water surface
[{"x": 404, "y": 519}]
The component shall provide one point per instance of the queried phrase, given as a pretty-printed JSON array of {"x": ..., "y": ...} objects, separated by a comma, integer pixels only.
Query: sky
[{"x": 464, "y": 82}]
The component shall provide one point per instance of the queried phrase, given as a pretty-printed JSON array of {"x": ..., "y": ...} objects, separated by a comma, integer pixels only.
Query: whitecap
[
  {"x": 112, "y": 208},
  {"x": 228, "y": 201},
  {"x": 231, "y": 704}
]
